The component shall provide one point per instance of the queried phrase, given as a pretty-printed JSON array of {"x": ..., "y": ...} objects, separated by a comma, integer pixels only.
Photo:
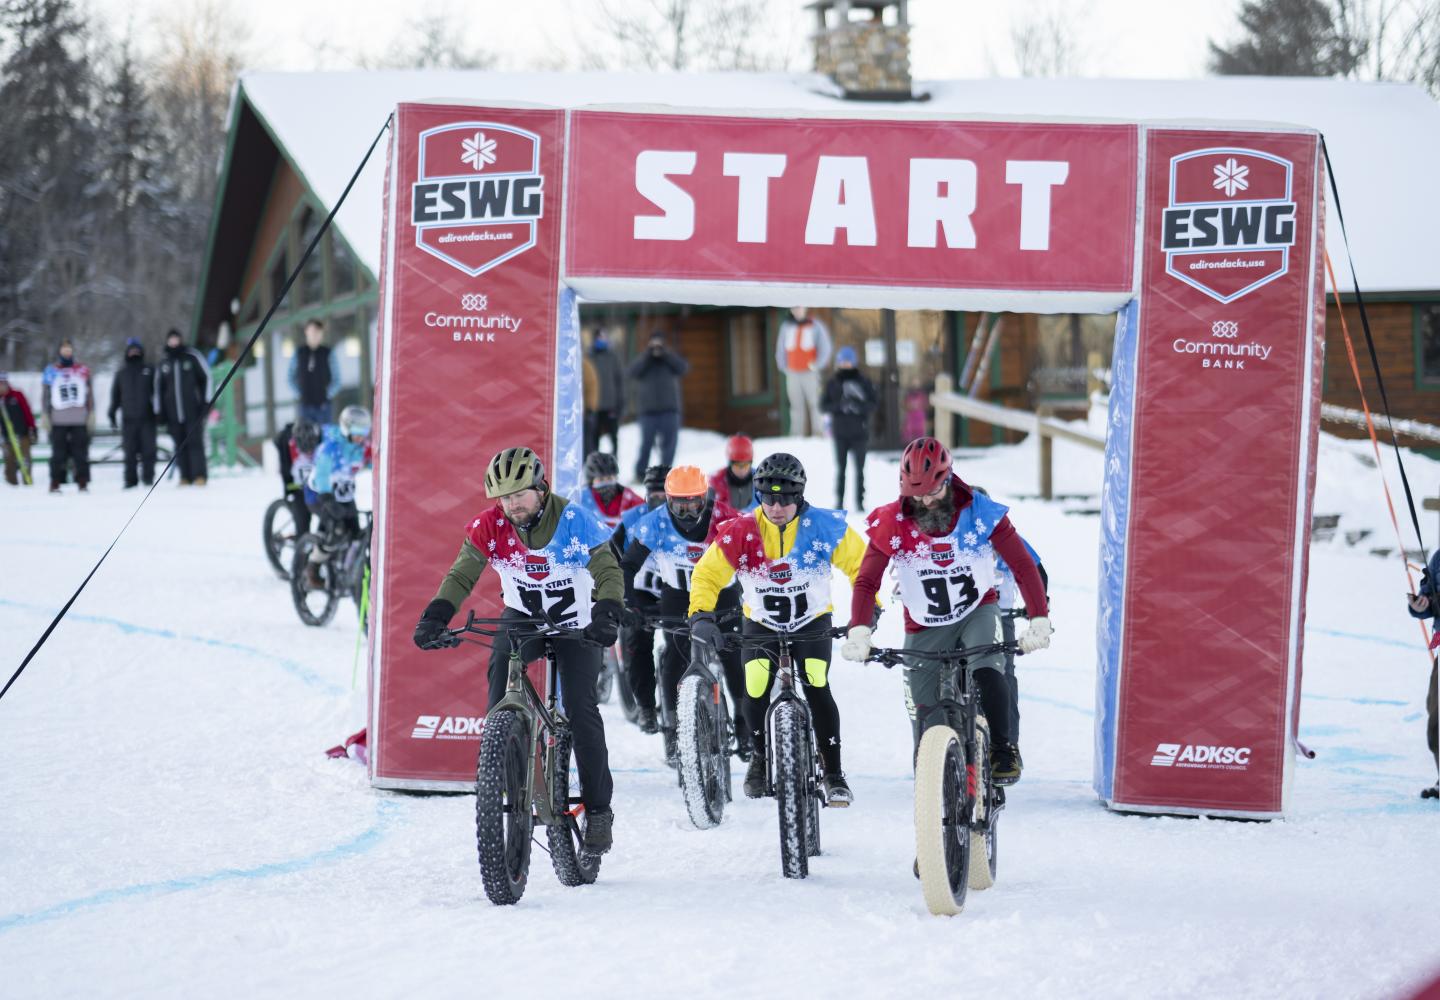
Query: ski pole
[{"x": 15, "y": 447}]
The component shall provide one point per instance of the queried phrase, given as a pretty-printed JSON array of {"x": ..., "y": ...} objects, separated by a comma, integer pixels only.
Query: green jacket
[{"x": 468, "y": 565}]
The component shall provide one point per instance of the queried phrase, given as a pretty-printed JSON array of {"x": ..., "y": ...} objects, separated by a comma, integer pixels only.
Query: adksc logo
[
  {"x": 478, "y": 195},
  {"x": 1230, "y": 223}
]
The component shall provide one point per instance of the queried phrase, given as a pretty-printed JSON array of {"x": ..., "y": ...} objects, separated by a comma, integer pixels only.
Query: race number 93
[{"x": 949, "y": 595}]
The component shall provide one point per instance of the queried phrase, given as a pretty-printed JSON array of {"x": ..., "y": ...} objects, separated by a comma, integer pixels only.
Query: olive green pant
[{"x": 923, "y": 678}]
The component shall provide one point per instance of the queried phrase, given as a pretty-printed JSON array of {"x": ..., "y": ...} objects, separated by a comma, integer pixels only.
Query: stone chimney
[{"x": 855, "y": 47}]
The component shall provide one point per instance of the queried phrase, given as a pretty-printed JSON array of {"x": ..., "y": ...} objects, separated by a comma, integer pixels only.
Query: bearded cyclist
[
  {"x": 554, "y": 559},
  {"x": 602, "y": 495},
  {"x": 944, "y": 539},
  {"x": 637, "y": 641},
  {"x": 675, "y": 536},
  {"x": 782, "y": 554}
]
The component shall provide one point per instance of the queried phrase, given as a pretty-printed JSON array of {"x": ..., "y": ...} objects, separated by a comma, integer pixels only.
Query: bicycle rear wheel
[
  {"x": 985, "y": 837},
  {"x": 315, "y": 595},
  {"x": 704, "y": 751},
  {"x": 942, "y": 821},
  {"x": 503, "y": 818},
  {"x": 279, "y": 535},
  {"x": 572, "y": 863},
  {"x": 791, "y": 757}
]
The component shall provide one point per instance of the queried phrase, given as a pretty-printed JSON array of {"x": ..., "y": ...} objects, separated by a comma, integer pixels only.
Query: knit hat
[
  {"x": 845, "y": 356},
  {"x": 133, "y": 342}
]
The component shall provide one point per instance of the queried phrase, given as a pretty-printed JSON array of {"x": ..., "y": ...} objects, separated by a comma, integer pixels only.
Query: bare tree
[
  {"x": 686, "y": 35},
  {"x": 1046, "y": 43},
  {"x": 432, "y": 41}
]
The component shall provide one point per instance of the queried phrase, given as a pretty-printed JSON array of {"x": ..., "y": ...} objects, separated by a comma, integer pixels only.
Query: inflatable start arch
[{"x": 1203, "y": 237}]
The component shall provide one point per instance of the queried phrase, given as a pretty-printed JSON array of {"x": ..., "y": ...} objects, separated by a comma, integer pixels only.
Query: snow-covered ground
[{"x": 170, "y": 826}]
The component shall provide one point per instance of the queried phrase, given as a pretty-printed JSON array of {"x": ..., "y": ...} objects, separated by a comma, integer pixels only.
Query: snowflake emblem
[
  {"x": 970, "y": 538},
  {"x": 873, "y": 524},
  {"x": 500, "y": 520},
  {"x": 810, "y": 557},
  {"x": 491, "y": 545},
  {"x": 914, "y": 533},
  {"x": 569, "y": 512},
  {"x": 894, "y": 541},
  {"x": 979, "y": 525},
  {"x": 804, "y": 522},
  {"x": 899, "y": 516},
  {"x": 479, "y": 151},
  {"x": 725, "y": 539},
  {"x": 1231, "y": 177},
  {"x": 744, "y": 560}
]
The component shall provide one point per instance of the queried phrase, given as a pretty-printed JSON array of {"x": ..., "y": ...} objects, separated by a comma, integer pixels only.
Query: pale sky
[{"x": 957, "y": 39}]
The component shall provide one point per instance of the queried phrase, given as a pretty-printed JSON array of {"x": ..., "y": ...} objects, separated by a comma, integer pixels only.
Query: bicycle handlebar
[
  {"x": 529, "y": 627},
  {"x": 838, "y": 632},
  {"x": 897, "y": 657}
]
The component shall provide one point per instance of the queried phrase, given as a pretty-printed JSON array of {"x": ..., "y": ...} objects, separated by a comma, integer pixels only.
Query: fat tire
[
  {"x": 942, "y": 833},
  {"x": 985, "y": 837},
  {"x": 704, "y": 753},
  {"x": 791, "y": 761},
  {"x": 299, "y": 589},
  {"x": 500, "y": 779},
  {"x": 274, "y": 545},
  {"x": 572, "y": 863}
]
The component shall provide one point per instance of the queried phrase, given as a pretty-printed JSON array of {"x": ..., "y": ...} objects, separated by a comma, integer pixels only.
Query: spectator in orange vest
[{"x": 801, "y": 351}]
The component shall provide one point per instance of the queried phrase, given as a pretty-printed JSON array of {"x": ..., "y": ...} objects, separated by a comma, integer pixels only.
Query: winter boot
[
  {"x": 755, "y": 776},
  {"x": 1005, "y": 764},
  {"x": 646, "y": 721},
  {"x": 837, "y": 789},
  {"x": 598, "y": 825}
]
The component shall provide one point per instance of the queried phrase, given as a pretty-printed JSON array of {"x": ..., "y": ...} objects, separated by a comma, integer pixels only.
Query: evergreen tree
[{"x": 1290, "y": 38}]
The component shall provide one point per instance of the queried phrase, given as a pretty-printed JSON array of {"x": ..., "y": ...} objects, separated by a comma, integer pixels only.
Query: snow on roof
[{"x": 1384, "y": 139}]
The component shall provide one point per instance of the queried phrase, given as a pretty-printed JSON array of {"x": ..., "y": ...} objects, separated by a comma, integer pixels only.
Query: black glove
[
  {"x": 604, "y": 627},
  {"x": 430, "y": 630},
  {"x": 705, "y": 632},
  {"x": 632, "y": 619}
]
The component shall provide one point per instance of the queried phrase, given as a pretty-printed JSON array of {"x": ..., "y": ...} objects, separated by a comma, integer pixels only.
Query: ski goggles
[
  {"x": 687, "y": 507},
  {"x": 778, "y": 499}
]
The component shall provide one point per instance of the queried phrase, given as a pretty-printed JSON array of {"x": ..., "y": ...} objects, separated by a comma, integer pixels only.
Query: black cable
[
  {"x": 249, "y": 346},
  {"x": 1374, "y": 358}
]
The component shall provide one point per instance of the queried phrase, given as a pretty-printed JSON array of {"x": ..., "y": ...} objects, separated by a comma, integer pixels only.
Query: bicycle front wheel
[
  {"x": 278, "y": 534},
  {"x": 704, "y": 751},
  {"x": 572, "y": 863},
  {"x": 942, "y": 820},
  {"x": 503, "y": 818},
  {"x": 791, "y": 757},
  {"x": 314, "y": 588}
]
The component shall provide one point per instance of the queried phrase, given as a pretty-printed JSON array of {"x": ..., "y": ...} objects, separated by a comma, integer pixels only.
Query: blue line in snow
[
  {"x": 369, "y": 838},
  {"x": 294, "y": 668}
]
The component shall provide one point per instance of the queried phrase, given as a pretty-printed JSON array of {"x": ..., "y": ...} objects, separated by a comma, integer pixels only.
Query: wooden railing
[{"x": 947, "y": 401}]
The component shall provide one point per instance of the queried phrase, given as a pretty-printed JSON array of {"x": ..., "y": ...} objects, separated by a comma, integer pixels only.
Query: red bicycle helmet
[
  {"x": 739, "y": 449},
  {"x": 923, "y": 467}
]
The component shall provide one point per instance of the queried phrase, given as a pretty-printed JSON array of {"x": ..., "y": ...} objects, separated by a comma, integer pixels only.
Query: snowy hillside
[{"x": 171, "y": 826}]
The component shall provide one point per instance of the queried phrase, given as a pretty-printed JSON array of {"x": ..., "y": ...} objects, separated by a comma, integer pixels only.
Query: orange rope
[{"x": 1374, "y": 441}]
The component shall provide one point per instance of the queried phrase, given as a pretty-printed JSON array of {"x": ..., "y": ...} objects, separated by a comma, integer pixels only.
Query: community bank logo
[
  {"x": 447, "y": 727},
  {"x": 478, "y": 194},
  {"x": 1201, "y": 756},
  {"x": 1226, "y": 352},
  {"x": 1230, "y": 223}
]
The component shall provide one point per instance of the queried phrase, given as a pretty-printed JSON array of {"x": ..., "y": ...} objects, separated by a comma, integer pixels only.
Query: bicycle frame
[{"x": 784, "y": 670}]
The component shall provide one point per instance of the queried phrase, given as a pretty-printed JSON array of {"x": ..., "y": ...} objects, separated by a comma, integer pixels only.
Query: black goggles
[
  {"x": 687, "y": 506},
  {"x": 778, "y": 499}
]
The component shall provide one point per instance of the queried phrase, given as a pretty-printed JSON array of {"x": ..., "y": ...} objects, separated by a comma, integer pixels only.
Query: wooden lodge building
[{"x": 296, "y": 138}]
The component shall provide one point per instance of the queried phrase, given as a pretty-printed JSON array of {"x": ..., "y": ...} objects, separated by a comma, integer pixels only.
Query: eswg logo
[{"x": 1231, "y": 220}]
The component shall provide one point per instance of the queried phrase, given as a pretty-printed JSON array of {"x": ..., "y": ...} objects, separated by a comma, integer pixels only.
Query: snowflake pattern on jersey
[
  {"x": 789, "y": 592},
  {"x": 675, "y": 555}
]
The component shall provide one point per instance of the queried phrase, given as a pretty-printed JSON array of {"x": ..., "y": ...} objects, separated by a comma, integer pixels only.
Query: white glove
[
  {"x": 857, "y": 644},
  {"x": 1037, "y": 636}
]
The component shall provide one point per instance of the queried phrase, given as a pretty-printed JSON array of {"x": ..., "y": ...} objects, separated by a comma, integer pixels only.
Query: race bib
[{"x": 68, "y": 393}]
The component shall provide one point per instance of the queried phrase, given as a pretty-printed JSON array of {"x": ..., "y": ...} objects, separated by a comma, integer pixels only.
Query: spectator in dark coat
[
  {"x": 850, "y": 400},
  {"x": 655, "y": 381},
  {"x": 611, "y": 400},
  {"x": 182, "y": 388},
  {"x": 132, "y": 395},
  {"x": 314, "y": 375},
  {"x": 17, "y": 432}
]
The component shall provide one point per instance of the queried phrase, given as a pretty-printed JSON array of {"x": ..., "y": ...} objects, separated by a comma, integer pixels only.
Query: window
[
  {"x": 1427, "y": 344},
  {"x": 342, "y": 267},
  {"x": 279, "y": 272},
  {"x": 749, "y": 362},
  {"x": 311, "y": 283}
]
